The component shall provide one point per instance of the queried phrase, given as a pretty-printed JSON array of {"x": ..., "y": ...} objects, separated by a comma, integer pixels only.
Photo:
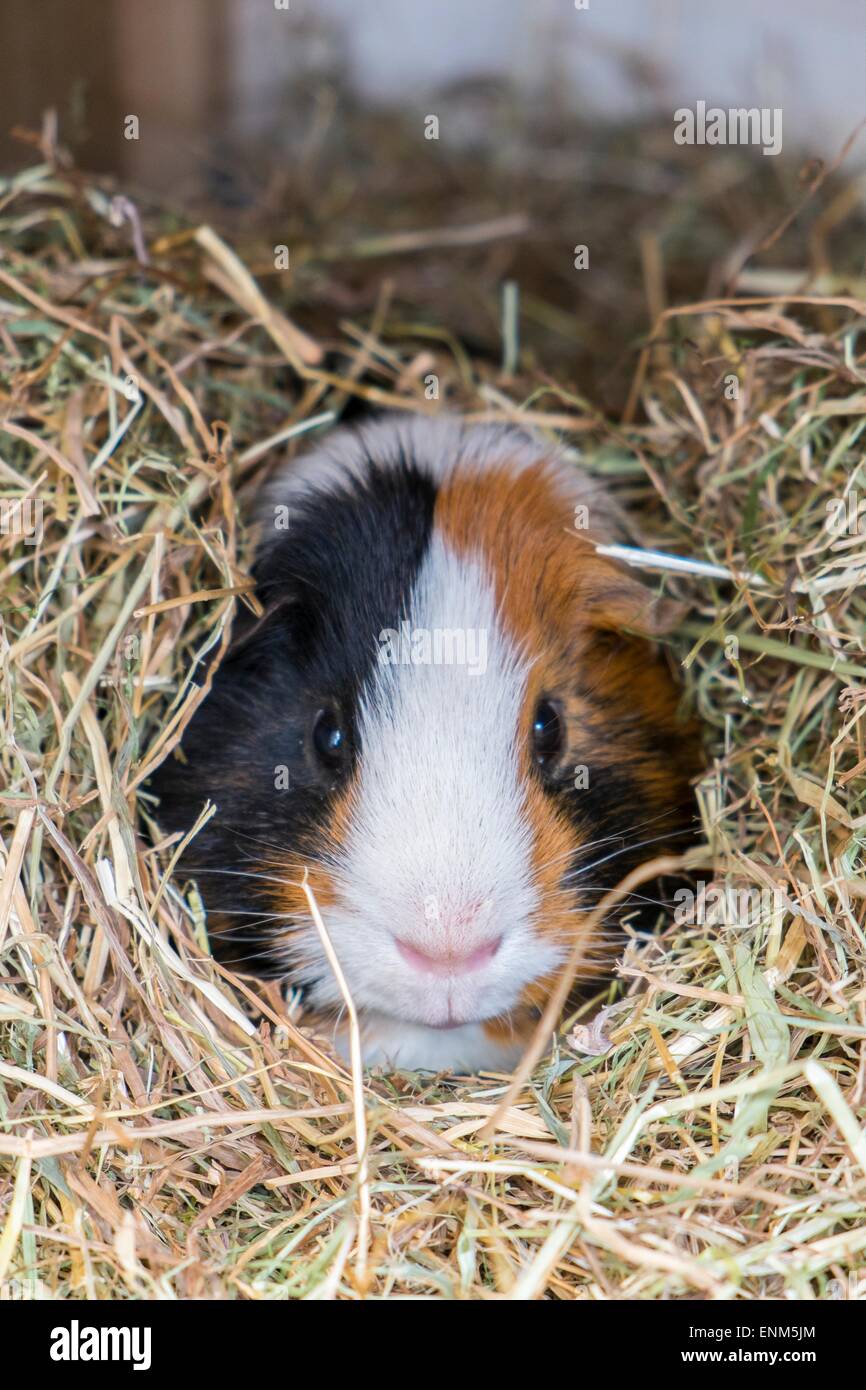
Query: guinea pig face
[{"x": 443, "y": 721}]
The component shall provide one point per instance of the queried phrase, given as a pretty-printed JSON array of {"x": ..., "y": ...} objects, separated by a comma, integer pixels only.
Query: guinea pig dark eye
[
  {"x": 329, "y": 738},
  {"x": 548, "y": 732}
]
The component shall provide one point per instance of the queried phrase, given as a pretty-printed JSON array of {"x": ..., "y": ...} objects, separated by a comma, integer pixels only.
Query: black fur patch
[{"x": 342, "y": 572}]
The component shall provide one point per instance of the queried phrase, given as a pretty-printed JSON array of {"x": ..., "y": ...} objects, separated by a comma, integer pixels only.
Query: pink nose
[{"x": 448, "y": 962}]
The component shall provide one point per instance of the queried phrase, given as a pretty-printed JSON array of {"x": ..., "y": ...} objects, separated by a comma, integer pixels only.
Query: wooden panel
[{"x": 97, "y": 61}]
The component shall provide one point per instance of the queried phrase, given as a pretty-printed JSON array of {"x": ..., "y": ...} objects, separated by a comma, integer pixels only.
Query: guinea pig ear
[
  {"x": 248, "y": 625},
  {"x": 285, "y": 630},
  {"x": 614, "y": 601}
]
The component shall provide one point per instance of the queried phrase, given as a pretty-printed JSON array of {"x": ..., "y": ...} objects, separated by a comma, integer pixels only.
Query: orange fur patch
[
  {"x": 288, "y": 895},
  {"x": 568, "y": 608}
]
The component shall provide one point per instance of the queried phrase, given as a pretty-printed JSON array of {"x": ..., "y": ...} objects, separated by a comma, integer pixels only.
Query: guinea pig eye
[
  {"x": 548, "y": 732},
  {"x": 329, "y": 740}
]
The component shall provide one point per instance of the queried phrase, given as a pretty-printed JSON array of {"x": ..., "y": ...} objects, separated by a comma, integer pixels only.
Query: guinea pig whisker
[
  {"x": 592, "y": 897},
  {"x": 630, "y": 900},
  {"x": 594, "y": 844},
  {"x": 654, "y": 839},
  {"x": 505, "y": 1018},
  {"x": 620, "y": 835},
  {"x": 250, "y": 912},
  {"x": 260, "y": 949},
  {"x": 242, "y": 873},
  {"x": 263, "y": 933},
  {"x": 254, "y": 839},
  {"x": 263, "y": 955},
  {"x": 338, "y": 1019},
  {"x": 321, "y": 860},
  {"x": 626, "y": 849},
  {"x": 248, "y": 929},
  {"x": 570, "y": 853}
]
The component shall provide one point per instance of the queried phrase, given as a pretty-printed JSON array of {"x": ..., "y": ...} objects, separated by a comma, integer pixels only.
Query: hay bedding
[{"x": 167, "y": 1129}]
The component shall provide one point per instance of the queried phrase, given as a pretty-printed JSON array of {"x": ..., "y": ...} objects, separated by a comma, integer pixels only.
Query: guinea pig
[{"x": 452, "y": 717}]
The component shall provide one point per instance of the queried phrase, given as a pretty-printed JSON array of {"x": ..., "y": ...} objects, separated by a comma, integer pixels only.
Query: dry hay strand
[{"x": 170, "y": 1130}]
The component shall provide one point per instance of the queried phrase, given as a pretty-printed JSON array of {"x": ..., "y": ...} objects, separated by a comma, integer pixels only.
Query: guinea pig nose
[{"x": 448, "y": 962}]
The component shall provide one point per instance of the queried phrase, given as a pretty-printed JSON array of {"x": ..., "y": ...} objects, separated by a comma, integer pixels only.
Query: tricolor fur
[{"x": 440, "y": 838}]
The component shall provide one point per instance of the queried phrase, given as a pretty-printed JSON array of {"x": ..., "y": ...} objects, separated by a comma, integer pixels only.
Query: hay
[{"x": 170, "y": 1130}]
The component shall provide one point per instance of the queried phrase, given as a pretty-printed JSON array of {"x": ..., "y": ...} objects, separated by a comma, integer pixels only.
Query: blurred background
[
  {"x": 307, "y": 123},
  {"x": 201, "y": 73}
]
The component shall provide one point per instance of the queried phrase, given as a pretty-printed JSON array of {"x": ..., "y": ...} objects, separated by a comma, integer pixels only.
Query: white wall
[{"x": 809, "y": 58}]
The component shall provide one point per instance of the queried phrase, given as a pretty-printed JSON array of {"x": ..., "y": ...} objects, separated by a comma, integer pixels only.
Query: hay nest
[{"x": 170, "y": 1130}]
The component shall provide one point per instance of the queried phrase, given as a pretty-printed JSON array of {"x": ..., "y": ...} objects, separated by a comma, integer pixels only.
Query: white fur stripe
[{"x": 438, "y": 852}]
